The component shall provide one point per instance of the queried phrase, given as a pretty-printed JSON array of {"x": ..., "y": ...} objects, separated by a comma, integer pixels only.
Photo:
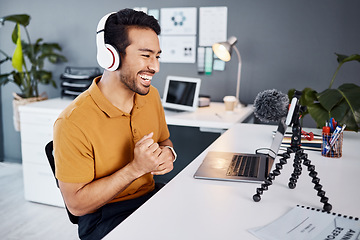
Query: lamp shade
[{"x": 223, "y": 50}]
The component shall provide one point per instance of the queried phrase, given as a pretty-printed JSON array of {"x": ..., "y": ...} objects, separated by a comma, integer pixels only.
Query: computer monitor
[{"x": 181, "y": 93}]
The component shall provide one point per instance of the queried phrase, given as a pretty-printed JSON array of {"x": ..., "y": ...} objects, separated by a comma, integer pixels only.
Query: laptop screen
[{"x": 181, "y": 93}]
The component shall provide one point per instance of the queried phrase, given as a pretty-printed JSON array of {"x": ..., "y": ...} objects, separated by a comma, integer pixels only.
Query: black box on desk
[{"x": 75, "y": 80}]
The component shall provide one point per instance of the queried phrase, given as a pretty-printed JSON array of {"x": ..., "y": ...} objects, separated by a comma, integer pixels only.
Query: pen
[
  {"x": 334, "y": 137},
  {"x": 333, "y": 124}
]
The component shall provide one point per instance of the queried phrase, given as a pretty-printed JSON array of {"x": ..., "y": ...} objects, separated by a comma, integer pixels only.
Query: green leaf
[
  {"x": 329, "y": 98},
  {"x": 27, "y": 50},
  {"x": 15, "y": 34},
  {"x": 44, "y": 77},
  {"x": 17, "y": 58},
  {"x": 343, "y": 115},
  {"x": 318, "y": 113},
  {"x": 343, "y": 104},
  {"x": 291, "y": 93},
  {"x": 351, "y": 93},
  {"x": 56, "y": 58},
  {"x": 4, "y": 78},
  {"x": 53, "y": 83},
  {"x": 308, "y": 96},
  {"x": 344, "y": 58},
  {"x": 340, "y": 110},
  {"x": 22, "y": 19},
  {"x": 18, "y": 79},
  {"x": 50, "y": 47},
  {"x": 37, "y": 46}
]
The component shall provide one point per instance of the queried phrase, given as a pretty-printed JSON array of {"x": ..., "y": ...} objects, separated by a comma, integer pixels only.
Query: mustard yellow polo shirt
[{"x": 93, "y": 138}]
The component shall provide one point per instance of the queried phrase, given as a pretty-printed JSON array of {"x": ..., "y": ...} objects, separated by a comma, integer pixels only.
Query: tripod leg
[
  {"x": 297, "y": 169},
  {"x": 318, "y": 187},
  {"x": 271, "y": 177}
]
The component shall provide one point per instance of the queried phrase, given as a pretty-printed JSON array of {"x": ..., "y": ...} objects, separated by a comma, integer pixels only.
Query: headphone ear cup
[
  {"x": 107, "y": 55},
  {"x": 115, "y": 57}
]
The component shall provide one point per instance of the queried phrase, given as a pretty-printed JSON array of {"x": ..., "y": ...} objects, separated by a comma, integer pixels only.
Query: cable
[{"x": 259, "y": 149}]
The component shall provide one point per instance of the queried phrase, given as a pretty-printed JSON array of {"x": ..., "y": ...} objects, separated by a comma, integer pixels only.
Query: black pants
[{"x": 96, "y": 225}]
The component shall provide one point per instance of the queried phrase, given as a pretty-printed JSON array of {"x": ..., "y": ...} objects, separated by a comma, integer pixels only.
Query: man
[{"x": 112, "y": 139}]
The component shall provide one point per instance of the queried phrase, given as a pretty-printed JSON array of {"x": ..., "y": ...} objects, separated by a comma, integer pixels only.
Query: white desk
[
  {"x": 37, "y": 120},
  {"x": 212, "y": 118},
  {"x": 188, "y": 208}
]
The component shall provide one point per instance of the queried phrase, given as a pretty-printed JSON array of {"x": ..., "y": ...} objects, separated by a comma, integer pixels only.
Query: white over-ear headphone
[{"x": 107, "y": 55}]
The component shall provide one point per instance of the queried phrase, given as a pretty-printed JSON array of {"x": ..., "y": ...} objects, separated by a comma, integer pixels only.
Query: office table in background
[
  {"x": 213, "y": 118},
  {"x": 188, "y": 208}
]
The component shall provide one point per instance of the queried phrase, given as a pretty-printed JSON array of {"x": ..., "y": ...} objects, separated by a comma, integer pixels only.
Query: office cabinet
[{"x": 36, "y": 124}]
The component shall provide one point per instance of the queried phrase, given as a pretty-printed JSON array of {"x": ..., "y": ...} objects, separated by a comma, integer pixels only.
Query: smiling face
[{"x": 141, "y": 60}]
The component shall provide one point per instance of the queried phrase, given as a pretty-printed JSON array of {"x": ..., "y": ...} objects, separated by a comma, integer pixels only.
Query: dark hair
[{"x": 117, "y": 25}]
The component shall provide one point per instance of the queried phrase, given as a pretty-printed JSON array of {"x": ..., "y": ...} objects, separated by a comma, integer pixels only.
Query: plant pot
[{"x": 19, "y": 101}]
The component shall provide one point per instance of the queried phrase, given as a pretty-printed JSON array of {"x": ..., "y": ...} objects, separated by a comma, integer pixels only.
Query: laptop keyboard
[{"x": 246, "y": 166}]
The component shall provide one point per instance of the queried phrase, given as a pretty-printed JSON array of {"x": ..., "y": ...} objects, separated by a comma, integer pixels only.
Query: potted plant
[
  {"x": 342, "y": 103},
  {"x": 28, "y": 63}
]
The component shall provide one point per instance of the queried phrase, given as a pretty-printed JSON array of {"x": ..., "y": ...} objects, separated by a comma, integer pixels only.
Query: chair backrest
[{"x": 49, "y": 154}]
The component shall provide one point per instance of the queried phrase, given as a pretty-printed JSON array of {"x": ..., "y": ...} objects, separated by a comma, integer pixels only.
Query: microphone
[{"x": 271, "y": 105}]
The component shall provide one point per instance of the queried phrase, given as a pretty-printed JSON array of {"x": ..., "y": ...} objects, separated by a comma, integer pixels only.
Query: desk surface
[
  {"x": 188, "y": 208},
  {"x": 212, "y": 117}
]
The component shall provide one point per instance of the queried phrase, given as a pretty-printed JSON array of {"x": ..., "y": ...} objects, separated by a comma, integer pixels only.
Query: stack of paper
[{"x": 304, "y": 223}]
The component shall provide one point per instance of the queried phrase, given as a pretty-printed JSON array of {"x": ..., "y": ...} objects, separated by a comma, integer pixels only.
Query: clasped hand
[{"x": 150, "y": 157}]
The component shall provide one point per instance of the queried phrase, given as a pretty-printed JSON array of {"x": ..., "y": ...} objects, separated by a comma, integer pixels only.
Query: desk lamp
[{"x": 223, "y": 50}]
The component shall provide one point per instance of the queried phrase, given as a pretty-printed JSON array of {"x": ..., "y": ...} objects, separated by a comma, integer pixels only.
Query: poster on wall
[
  {"x": 178, "y": 21},
  {"x": 212, "y": 25},
  {"x": 178, "y": 49}
]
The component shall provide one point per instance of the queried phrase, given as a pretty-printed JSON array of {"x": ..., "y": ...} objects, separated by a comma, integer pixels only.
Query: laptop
[
  {"x": 230, "y": 166},
  {"x": 181, "y": 93}
]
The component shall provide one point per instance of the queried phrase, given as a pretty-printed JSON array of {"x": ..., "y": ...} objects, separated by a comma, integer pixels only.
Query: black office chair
[{"x": 49, "y": 153}]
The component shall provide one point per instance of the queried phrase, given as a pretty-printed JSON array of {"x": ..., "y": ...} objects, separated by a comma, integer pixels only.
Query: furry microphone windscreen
[{"x": 271, "y": 105}]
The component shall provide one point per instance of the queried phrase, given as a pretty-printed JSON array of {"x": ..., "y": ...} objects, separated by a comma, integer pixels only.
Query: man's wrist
[{"x": 173, "y": 152}]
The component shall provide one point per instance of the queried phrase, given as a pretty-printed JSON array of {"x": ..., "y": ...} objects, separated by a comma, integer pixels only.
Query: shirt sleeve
[{"x": 73, "y": 153}]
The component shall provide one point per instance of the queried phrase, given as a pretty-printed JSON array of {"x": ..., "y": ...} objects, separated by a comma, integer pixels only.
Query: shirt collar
[{"x": 106, "y": 106}]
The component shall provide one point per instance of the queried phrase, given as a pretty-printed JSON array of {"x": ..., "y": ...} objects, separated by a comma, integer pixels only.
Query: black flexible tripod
[{"x": 300, "y": 157}]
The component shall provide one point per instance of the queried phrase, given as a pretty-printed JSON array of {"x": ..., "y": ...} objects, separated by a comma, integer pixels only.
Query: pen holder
[{"x": 336, "y": 150}]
